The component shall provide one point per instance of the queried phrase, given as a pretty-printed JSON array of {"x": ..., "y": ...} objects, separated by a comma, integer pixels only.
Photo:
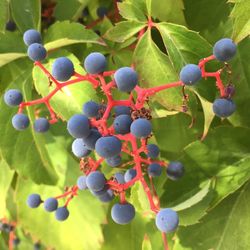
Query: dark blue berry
[
  {"x": 224, "y": 107},
  {"x": 20, "y": 121},
  {"x": 114, "y": 161},
  {"x": 32, "y": 36},
  {"x": 81, "y": 182},
  {"x": 34, "y": 200},
  {"x": 79, "y": 149},
  {"x": 95, "y": 63},
  {"x": 91, "y": 109},
  {"x": 224, "y": 50},
  {"x": 108, "y": 146},
  {"x": 36, "y": 52},
  {"x": 122, "y": 124},
  {"x": 13, "y": 97},
  {"x": 130, "y": 174},
  {"x": 122, "y": 110},
  {"x": 62, "y": 213},
  {"x": 62, "y": 69},
  {"x": 41, "y": 125},
  {"x": 126, "y": 79},
  {"x": 190, "y": 74},
  {"x": 167, "y": 220},
  {"x": 10, "y": 26},
  {"x": 101, "y": 11},
  {"x": 91, "y": 139},
  {"x": 153, "y": 151},
  {"x": 154, "y": 170},
  {"x": 78, "y": 126},
  {"x": 122, "y": 213},
  {"x": 119, "y": 178},
  {"x": 107, "y": 196},
  {"x": 96, "y": 181},
  {"x": 175, "y": 170},
  {"x": 50, "y": 204},
  {"x": 141, "y": 128}
]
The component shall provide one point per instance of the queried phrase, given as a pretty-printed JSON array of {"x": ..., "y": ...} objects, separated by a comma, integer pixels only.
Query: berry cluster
[
  {"x": 9, "y": 228},
  {"x": 114, "y": 129}
]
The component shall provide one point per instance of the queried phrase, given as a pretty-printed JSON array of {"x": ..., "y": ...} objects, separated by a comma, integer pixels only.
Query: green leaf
[
  {"x": 146, "y": 244},
  {"x": 65, "y": 33},
  {"x": 6, "y": 175},
  {"x": 70, "y": 100},
  {"x": 133, "y": 10},
  {"x": 3, "y": 14},
  {"x": 37, "y": 162},
  {"x": 11, "y": 47},
  {"x": 207, "y": 112},
  {"x": 224, "y": 149},
  {"x": 179, "y": 134},
  {"x": 241, "y": 20},
  {"x": 241, "y": 79},
  {"x": 193, "y": 209},
  {"x": 86, "y": 215},
  {"x": 147, "y": 56},
  {"x": 197, "y": 14},
  {"x": 225, "y": 227},
  {"x": 139, "y": 198},
  {"x": 26, "y": 14},
  {"x": 169, "y": 11},
  {"x": 123, "y": 31},
  {"x": 184, "y": 46},
  {"x": 69, "y": 9}
]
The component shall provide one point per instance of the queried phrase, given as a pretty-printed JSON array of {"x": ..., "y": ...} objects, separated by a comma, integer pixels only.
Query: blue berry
[
  {"x": 13, "y": 97},
  {"x": 50, "y": 204},
  {"x": 95, "y": 63},
  {"x": 154, "y": 170},
  {"x": 100, "y": 192},
  {"x": 102, "y": 11},
  {"x": 79, "y": 149},
  {"x": 122, "y": 213},
  {"x": 167, "y": 220},
  {"x": 130, "y": 174},
  {"x": 96, "y": 181},
  {"x": 85, "y": 12},
  {"x": 122, "y": 124},
  {"x": 37, "y": 246},
  {"x": 224, "y": 107},
  {"x": 119, "y": 178},
  {"x": 20, "y": 121},
  {"x": 107, "y": 196},
  {"x": 16, "y": 241},
  {"x": 91, "y": 139},
  {"x": 78, "y": 126},
  {"x": 32, "y": 36},
  {"x": 91, "y": 109},
  {"x": 41, "y": 125},
  {"x": 126, "y": 79},
  {"x": 81, "y": 182},
  {"x": 34, "y": 200},
  {"x": 36, "y": 52},
  {"x": 122, "y": 110},
  {"x": 62, "y": 69},
  {"x": 175, "y": 170},
  {"x": 141, "y": 128},
  {"x": 108, "y": 146},
  {"x": 153, "y": 151},
  {"x": 10, "y": 26},
  {"x": 224, "y": 50},
  {"x": 62, "y": 213},
  {"x": 190, "y": 74},
  {"x": 114, "y": 161}
]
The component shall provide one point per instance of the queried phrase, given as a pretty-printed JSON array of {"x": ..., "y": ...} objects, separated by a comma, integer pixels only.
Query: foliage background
[{"x": 213, "y": 197}]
